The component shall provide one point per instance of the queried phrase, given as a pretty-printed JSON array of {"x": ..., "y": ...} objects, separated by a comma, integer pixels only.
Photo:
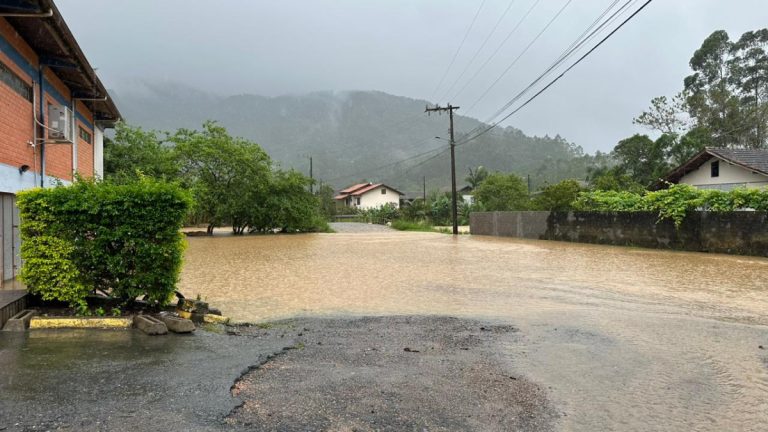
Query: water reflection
[{"x": 266, "y": 277}]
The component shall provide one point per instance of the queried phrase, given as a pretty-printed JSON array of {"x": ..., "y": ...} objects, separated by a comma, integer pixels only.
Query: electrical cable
[
  {"x": 479, "y": 50},
  {"x": 514, "y": 62},
  {"x": 551, "y": 83},
  {"x": 456, "y": 54}
]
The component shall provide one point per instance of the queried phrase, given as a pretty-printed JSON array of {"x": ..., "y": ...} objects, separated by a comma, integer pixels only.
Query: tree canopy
[
  {"x": 232, "y": 180},
  {"x": 502, "y": 192},
  {"x": 723, "y": 103}
]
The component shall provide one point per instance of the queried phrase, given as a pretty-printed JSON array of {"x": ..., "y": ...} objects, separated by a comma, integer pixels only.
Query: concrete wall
[
  {"x": 741, "y": 233},
  {"x": 731, "y": 176}
]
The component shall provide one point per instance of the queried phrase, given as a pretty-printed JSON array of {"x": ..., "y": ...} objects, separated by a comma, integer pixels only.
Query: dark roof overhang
[{"x": 56, "y": 47}]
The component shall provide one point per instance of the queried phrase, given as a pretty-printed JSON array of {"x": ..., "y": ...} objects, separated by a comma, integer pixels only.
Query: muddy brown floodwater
[{"x": 622, "y": 338}]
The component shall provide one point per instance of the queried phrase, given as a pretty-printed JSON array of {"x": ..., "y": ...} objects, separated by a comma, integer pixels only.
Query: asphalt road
[{"x": 388, "y": 373}]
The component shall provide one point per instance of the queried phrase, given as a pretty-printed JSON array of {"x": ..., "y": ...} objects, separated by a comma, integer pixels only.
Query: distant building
[
  {"x": 467, "y": 194},
  {"x": 53, "y": 112},
  {"x": 368, "y": 195},
  {"x": 723, "y": 169}
]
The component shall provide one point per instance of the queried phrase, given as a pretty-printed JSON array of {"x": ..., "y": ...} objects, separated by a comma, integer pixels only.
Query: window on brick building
[
  {"x": 85, "y": 135},
  {"x": 17, "y": 84}
]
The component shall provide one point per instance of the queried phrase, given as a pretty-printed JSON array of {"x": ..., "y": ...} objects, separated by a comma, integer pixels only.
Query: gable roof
[
  {"x": 750, "y": 159},
  {"x": 362, "y": 188},
  {"x": 354, "y": 188}
]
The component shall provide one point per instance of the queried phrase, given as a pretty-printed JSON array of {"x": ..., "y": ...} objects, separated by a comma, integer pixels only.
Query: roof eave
[{"x": 105, "y": 111}]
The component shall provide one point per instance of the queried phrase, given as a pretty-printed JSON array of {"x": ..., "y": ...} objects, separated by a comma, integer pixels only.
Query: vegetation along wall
[{"x": 739, "y": 232}]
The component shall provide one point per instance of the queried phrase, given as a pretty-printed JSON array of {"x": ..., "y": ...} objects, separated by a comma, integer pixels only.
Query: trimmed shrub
[{"x": 122, "y": 239}]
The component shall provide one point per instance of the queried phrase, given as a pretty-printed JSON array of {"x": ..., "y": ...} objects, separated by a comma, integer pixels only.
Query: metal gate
[{"x": 10, "y": 253}]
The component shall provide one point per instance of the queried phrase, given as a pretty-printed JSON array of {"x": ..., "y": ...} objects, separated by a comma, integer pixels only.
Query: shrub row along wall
[{"x": 742, "y": 233}]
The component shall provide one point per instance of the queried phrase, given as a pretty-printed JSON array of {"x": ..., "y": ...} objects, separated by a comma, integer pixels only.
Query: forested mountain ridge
[{"x": 355, "y": 135}]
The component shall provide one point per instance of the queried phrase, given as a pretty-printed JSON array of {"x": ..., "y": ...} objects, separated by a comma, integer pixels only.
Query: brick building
[{"x": 53, "y": 111}]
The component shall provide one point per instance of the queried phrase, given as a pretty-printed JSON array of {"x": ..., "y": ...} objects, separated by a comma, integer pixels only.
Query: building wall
[
  {"x": 374, "y": 198},
  {"x": 85, "y": 152},
  {"x": 17, "y": 121},
  {"x": 731, "y": 176}
]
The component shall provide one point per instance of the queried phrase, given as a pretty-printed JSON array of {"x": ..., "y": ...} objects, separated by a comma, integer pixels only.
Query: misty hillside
[{"x": 353, "y": 135}]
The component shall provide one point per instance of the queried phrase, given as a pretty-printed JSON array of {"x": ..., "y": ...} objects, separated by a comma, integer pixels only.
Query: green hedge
[
  {"x": 674, "y": 202},
  {"x": 121, "y": 239}
]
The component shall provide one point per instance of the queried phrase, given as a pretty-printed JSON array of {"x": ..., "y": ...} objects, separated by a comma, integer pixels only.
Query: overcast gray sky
[{"x": 404, "y": 47}]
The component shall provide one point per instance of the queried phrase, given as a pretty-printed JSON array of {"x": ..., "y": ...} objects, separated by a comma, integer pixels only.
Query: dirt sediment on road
[{"x": 390, "y": 373}]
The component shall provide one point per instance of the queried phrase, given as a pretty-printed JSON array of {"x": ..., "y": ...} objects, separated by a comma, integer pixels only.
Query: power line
[
  {"x": 567, "y": 53},
  {"x": 456, "y": 54},
  {"x": 498, "y": 48},
  {"x": 479, "y": 50},
  {"x": 575, "y": 46},
  {"x": 514, "y": 62},
  {"x": 551, "y": 83},
  {"x": 391, "y": 164}
]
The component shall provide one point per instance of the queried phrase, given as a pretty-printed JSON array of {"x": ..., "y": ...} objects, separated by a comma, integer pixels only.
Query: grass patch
[
  {"x": 405, "y": 225},
  {"x": 287, "y": 325}
]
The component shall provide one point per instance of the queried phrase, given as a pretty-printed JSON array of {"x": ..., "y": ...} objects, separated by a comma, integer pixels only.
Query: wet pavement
[
  {"x": 384, "y": 373},
  {"x": 393, "y": 374},
  {"x": 122, "y": 380}
]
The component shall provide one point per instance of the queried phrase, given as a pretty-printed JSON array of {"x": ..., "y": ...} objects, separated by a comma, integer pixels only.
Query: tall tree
[
  {"x": 644, "y": 159},
  {"x": 135, "y": 151},
  {"x": 229, "y": 177},
  {"x": 502, "y": 192},
  {"x": 476, "y": 177},
  {"x": 726, "y": 93}
]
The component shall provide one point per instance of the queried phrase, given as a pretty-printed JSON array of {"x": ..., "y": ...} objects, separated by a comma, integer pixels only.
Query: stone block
[
  {"x": 216, "y": 319},
  {"x": 20, "y": 321},
  {"x": 177, "y": 324},
  {"x": 150, "y": 325},
  {"x": 196, "y": 318}
]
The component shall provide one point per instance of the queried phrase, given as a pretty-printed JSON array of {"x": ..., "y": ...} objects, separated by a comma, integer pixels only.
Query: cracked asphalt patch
[
  {"x": 391, "y": 374},
  {"x": 365, "y": 374}
]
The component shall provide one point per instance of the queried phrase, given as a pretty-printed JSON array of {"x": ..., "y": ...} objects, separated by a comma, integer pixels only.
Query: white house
[
  {"x": 467, "y": 194},
  {"x": 368, "y": 196},
  {"x": 724, "y": 169}
]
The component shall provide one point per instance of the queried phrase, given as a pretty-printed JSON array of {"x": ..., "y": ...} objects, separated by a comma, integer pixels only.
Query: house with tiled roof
[
  {"x": 368, "y": 196},
  {"x": 723, "y": 169}
]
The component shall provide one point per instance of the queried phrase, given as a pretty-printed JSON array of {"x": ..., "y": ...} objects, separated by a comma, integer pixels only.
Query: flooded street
[{"x": 622, "y": 338}]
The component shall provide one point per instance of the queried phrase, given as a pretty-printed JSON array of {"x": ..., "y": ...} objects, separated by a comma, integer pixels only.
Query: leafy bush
[
  {"x": 440, "y": 210},
  {"x": 502, "y": 192},
  {"x": 122, "y": 239},
  {"x": 608, "y": 201},
  {"x": 558, "y": 196},
  {"x": 409, "y": 225},
  {"x": 380, "y": 215},
  {"x": 674, "y": 202}
]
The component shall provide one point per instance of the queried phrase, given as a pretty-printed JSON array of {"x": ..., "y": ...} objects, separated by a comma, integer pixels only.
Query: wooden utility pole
[
  {"x": 455, "y": 212},
  {"x": 424, "y": 191},
  {"x": 311, "y": 177}
]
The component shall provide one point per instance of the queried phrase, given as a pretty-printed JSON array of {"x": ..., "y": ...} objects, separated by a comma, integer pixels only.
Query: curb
[{"x": 39, "y": 322}]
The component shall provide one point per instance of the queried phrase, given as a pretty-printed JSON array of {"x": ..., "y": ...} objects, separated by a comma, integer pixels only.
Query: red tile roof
[
  {"x": 353, "y": 188},
  {"x": 365, "y": 189},
  {"x": 360, "y": 189}
]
